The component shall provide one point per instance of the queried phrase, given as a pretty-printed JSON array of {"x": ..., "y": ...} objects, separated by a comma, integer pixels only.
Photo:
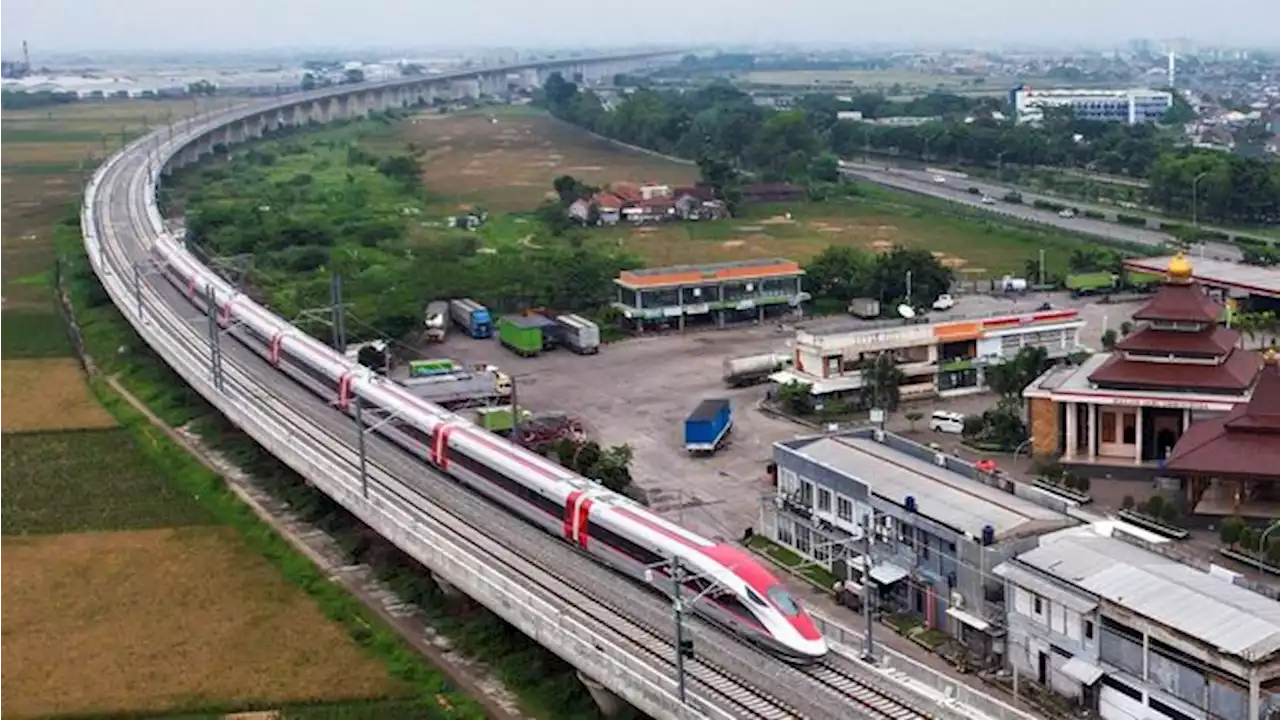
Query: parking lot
[{"x": 639, "y": 391}]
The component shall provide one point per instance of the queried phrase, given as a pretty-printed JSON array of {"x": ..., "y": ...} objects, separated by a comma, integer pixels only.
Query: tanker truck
[{"x": 743, "y": 371}]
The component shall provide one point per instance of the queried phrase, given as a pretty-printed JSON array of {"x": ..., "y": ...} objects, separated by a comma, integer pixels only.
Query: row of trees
[
  {"x": 841, "y": 273},
  {"x": 721, "y": 124}
]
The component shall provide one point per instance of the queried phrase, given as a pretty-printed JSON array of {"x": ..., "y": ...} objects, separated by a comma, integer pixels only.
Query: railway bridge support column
[
  {"x": 447, "y": 589},
  {"x": 611, "y": 706}
]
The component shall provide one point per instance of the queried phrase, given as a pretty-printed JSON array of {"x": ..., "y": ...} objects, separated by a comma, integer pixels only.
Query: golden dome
[
  {"x": 1179, "y": 268},
  {"x": 1269, "y": 357}
]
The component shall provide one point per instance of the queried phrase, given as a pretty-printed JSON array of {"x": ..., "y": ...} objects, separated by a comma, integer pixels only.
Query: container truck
[
  {"x": 707, "y": 426},
  {"x": 526, "y": 335},
  {"x": 472, "y": 317},
  {"x": 743, "y": 371},
  {"x": 864, "y": 308},
  {"x": 432, "y": 368},
  {"x": 578, "y": 334},
  {"x": 436, "y": 321},
  {"x": 460, "y": 387}
]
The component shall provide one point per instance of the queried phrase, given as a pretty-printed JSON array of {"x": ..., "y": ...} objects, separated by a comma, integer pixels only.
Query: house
[
  {"x": 699, "y": 203},
  {"x": 579, "y": 210},
  {"x": 655, "y": 210},
  {"x": 772, "y": 193},
  {"x": 610, "y": 207}
]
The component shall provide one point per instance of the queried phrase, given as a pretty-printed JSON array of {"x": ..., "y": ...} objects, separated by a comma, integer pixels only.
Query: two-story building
[
  {"x": 745, "y": 291},
  {"x": 935, "y": 530},
  {"x": 944, "y": 358},
  {"x": 1134, "y": 634}
]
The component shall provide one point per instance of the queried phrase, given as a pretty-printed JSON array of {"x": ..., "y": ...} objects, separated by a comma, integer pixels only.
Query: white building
[{"x": 1127, "y": 106}]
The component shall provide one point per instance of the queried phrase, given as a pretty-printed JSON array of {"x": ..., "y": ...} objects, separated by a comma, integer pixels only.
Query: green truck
[
  {"x": 498, "y": 419},
  {"x": 526, "y": 335}
]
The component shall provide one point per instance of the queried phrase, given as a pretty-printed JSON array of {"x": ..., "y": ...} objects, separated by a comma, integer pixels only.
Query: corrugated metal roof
[
  {"x": 1043, "y": 587},
  {"x": 1211, "y": 610},
  {"x": 940, "y": 494}
]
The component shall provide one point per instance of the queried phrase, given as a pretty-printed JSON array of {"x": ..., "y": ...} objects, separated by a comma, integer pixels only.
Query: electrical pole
[
  {"x": 364, "y": 458},
  {"x": 868, "y": 652},
  {"x": 215, "y": 348},
  {"x": 1042, "y": 267},
  {"x": 909, "y": 288},
  {"x": 515, "y": 413},
  {"x": 338, "y": 323},
  {"x": 1195, "y": 209},
  {"x": 677, "y": 587}
]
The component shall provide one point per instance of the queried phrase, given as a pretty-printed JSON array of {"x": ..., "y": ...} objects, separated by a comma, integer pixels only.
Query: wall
[{"x": 1045, "y": 426}]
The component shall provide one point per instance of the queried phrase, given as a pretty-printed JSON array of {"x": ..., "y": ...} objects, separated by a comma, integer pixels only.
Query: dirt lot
[
  {"x": 510, "y": 164},
  {"x": 165, "y": 619},
  {"x": 49, "y": 395}
]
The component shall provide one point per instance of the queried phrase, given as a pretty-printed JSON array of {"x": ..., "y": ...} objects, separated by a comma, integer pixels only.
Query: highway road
[
  {"x": 729, "y": 678},
  {"x": 955, "y": 190}
]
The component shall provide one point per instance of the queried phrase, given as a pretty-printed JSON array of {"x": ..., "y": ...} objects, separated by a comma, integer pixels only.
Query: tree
[
  {"x": 929, "y": 278},
  {"x": 880, "y": 380},
  {"x": 796, "y": 398},
  {"x": 308, "y": 81},
  {"x": 1230, "y": 530},
  {"x": 570, "y": 189},
  {"x": 1012, "y": 376},
  {"x": 553, "y": 216},
  {"x": 1109, "y": 340},
  {"x": 352, "y": 76},
  {"x": 913, "y": 417},
  {"x": 841, "y": 273}
]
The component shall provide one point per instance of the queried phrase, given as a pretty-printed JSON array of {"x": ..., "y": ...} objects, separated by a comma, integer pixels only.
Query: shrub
[
  {"x": 1128, "y": 502},
  {"x": 1094, "y": 214},
  {"x": 1135, "y": 220},
  {"x": 974, "y": 190}
]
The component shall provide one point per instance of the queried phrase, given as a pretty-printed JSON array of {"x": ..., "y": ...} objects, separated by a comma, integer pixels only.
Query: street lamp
[
  {"x": 1195, "y": 208},
  {"x": 1262, "y": 544},
  {"x": 1000, "y": 164}
]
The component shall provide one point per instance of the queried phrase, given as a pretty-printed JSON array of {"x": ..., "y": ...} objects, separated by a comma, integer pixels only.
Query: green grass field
[{"x": 78, "y": 481}]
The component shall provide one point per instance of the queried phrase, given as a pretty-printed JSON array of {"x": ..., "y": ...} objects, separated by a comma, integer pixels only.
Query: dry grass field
[
  {"x": 162, "y": 620},
  {"x": 49, "y": 395},
  {"x": 505, "y": 159}
]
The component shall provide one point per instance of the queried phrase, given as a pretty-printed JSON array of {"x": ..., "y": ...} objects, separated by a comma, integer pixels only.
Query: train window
[
  {"x": 753, "y": 597},
  {"x": 783, "y": 600}
]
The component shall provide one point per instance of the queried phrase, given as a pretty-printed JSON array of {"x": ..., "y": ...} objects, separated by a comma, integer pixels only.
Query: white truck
[
  {"x": 436, "y": 321},
  {"x": 577, "y": 333},
  {"x": 752, "y": 369},
  {"x": 482, "y": 383}
]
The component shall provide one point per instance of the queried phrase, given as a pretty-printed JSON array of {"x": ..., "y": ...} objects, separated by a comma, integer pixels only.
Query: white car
[
  {"x": 988, "y": 200},
  {"x": 1066, "y": 213},
  {"x": 944, "y": 302},
  {"x": 943, "y": 421},
  {"x": 939, "y": 179}
]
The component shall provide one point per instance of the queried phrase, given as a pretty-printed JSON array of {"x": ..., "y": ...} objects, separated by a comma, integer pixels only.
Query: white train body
[{"x": 624, "y": 535}]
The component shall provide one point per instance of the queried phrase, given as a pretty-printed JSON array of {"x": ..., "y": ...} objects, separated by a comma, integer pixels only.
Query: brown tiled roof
[
  {"x": 608, "y": 201},
  {"x": 626, "y": 192},
  {"x": 1235, "y": 374},
  {"x": 1245, "y": 441},
  {"x": 1215, "y": 342},
  {"x": 1180, "y": 301}
]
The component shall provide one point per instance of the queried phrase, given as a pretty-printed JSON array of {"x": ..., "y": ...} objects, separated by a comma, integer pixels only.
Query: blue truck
[
  {"x": 706, "y": 427},
  {"x": 472, "y": 317}
]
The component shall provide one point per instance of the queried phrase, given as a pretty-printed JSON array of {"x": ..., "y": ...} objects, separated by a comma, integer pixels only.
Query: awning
[
  {"x": 972, "y": 621},
  {"x": 887, "y": 573},
  {"x": 1082, "y": 670}
]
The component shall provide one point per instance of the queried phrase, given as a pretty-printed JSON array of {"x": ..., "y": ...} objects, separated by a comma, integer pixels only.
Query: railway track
[{"x": 709, "y": 680}]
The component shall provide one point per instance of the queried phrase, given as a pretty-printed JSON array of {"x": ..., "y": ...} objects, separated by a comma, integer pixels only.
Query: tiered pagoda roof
[
  {"x": 1245, "y": 441},
  {"x": 1181, "y": 345}
]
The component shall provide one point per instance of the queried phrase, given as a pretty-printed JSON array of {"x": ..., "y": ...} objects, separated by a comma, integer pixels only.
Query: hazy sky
[{"x": 61, "y": 25}]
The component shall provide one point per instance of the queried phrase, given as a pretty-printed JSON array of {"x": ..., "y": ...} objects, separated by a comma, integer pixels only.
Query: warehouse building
[
  {"x": 746, "y": 291},
  {"x": 937, "y": 530},
  {"x": 1132, "y": 633},
  {"x": 1132, "y": 107}
]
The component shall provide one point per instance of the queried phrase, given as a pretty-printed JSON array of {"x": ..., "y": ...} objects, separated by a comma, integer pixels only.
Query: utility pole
[
  {"x": 364, "y": 458},
  {"x": 1041, "y": 266},
  {"x": 677, "y": 588},
  {"x": 868, "y": 653},
  {"x": 909, "y": 288},
  {"x": 338, "y": 325},
  {"x": 515, "y": 413},
  {"x": 215, "y": 347},
  {"x": 1195, "y": 209}
]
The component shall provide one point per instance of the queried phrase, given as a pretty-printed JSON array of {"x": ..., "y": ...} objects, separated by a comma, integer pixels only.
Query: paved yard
[{"x": 639, "y": 391}]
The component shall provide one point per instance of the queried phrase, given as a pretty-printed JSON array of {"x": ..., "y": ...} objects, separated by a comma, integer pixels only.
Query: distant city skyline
[{"x": 64, "y": 26}]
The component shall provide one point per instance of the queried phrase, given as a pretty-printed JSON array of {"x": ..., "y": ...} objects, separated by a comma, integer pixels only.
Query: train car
[{"x": 731, "y": 587}]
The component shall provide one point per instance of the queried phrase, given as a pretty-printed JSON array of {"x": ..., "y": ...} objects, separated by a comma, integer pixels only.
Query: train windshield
[{"x": 784, "y": 601}]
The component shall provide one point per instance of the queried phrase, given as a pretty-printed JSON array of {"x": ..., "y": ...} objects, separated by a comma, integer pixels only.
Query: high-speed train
[{"x": 727, "y": 585}]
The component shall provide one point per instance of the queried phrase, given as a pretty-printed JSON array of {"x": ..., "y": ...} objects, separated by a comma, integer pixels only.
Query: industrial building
[
  {"x": 1127, "y": 106},
  {"x": 746, "y": 291},
  {"x": 937, "y": 529},
  {"x": 943, "y": 359},
  {"x": 1132, "y": 633}
]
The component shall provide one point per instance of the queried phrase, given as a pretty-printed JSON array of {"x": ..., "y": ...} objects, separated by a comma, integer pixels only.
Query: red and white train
[{"x": 746, "y": 597}]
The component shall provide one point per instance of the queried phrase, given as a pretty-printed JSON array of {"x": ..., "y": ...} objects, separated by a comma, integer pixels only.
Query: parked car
[
  {"x": 939, "y": 179},
  {"x": 988, "y": 200},
  {"x": 945, "y": 421},
  {"x": 1066, "y": 213},
  {"x": 944, "y": 302}
]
